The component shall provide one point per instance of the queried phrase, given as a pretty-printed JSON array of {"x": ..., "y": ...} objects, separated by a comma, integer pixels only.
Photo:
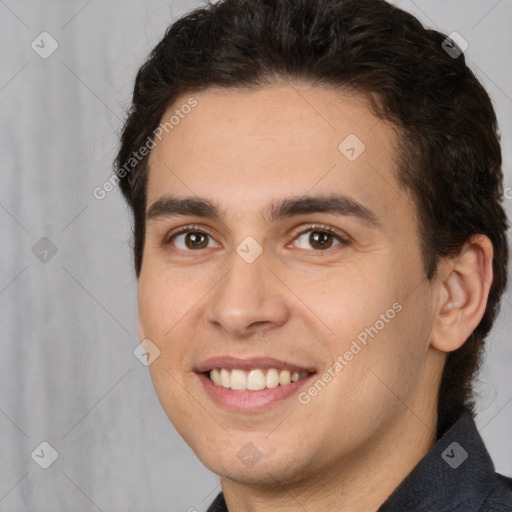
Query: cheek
[
  {"x": 392, "y": 360},
  {"x": 378, "y": 377},
  {"x": 376, "y": 325},
  {"x": 164, "y": 300},
  {"x": 351, "y": 298},
  {"x": 166, "y": 306}
]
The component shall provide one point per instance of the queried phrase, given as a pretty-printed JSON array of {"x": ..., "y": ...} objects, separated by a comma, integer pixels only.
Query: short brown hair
[{"x": 450, "y": 150}]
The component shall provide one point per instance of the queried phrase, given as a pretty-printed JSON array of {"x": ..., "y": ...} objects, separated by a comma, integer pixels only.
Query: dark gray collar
[{"x": 457, "y": 470}]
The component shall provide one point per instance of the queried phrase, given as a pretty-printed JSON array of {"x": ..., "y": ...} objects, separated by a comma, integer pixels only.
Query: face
[{"x": 282, "y": 282}]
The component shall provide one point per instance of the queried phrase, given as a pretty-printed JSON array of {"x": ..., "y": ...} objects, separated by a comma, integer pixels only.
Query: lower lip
[{"x": 246, "y": 401}]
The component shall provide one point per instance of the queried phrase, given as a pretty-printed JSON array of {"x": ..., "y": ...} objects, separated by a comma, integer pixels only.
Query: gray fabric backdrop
[{"x": 68, "y": 375}]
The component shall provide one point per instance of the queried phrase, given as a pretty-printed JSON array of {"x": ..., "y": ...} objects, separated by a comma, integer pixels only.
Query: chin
[{"x": 250, "y": 465}]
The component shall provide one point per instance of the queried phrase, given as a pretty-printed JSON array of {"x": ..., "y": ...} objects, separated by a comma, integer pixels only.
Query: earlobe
[{"x": 463, "y": 289}]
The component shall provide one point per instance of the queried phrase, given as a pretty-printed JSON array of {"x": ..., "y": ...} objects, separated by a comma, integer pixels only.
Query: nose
[{"x": 248, "y": 300}]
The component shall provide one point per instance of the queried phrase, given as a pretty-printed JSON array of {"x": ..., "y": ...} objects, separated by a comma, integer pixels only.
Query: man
[{"x": 321, "y": 249}]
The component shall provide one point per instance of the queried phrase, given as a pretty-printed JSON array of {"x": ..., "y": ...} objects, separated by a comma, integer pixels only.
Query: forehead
[{"x": 247, "y": 147}]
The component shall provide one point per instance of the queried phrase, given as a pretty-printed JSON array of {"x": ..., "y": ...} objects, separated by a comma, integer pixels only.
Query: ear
[{"x": 463, "y": 285}]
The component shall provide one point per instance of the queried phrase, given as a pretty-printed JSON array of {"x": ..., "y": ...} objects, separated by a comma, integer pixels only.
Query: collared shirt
[{"x": 456, "y": 475}]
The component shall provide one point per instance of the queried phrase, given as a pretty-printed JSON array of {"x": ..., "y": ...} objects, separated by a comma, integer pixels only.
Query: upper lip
[{"x": 232, "y": 363}]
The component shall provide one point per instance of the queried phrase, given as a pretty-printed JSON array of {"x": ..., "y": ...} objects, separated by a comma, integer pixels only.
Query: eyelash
[{"x": 344, "y": 240}]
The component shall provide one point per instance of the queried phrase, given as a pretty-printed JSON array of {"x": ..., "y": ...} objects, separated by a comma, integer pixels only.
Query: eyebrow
[{"x": 337, "y": 204}]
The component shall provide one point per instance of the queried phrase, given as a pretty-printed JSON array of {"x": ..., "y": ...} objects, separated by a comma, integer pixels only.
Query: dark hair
[{"x": 450, "y": 156}]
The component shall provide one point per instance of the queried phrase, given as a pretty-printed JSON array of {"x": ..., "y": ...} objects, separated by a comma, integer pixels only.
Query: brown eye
[
  {"x": 319, "y": 239},
  {"x": 195, "y": 240},
  {"x": 190, "y": 240}
]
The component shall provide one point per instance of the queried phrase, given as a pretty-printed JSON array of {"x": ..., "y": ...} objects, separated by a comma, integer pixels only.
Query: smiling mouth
[{"x": 254, "y": 380}]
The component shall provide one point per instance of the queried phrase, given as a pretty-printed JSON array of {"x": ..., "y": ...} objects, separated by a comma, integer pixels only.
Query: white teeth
[
  {"x": 284, "y": 377},
  {"x": 272, "y": 378},
  {"x": 238, "y": 380},
  {"x": 254, "y": 380},
  {"x": 225, "y": 378},
  {"x": 215, "y": 376}
]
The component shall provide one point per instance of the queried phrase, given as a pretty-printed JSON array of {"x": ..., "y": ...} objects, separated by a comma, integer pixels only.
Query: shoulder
[{"x": 499, "y": 498}]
